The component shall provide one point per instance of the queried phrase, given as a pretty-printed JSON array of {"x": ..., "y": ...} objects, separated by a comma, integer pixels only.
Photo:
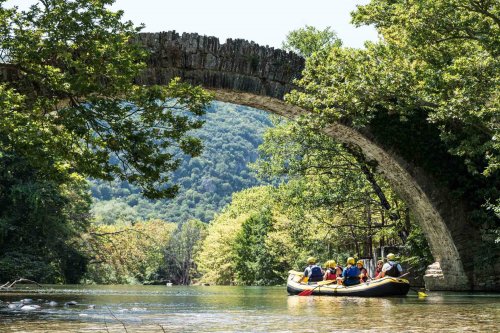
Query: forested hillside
[{"x": 231, "y": 135}]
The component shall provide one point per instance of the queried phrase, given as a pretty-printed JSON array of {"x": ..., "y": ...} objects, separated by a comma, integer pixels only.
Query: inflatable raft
[{"x": 388, "y": 286}]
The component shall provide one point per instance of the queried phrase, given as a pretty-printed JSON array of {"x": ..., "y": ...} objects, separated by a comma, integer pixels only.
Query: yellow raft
[{"x": 388, "y": 286}]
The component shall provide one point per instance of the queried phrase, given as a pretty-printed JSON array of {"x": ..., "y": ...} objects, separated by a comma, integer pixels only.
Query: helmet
[
  {"x": 350, "y": 261},
  {"x": 391, "y": 256},
  {"x": 360, "y": 262},
  {"x": 331, "y": 264},
  {"x": 311, "y": 260}
]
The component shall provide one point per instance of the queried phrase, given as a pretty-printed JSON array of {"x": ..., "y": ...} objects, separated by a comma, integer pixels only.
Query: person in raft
[
  {"x": 313, "y": 272},
  {"x": 391, "y": 267},
  {"x": 350, "y": 275},
  {"x": 378, "y": 270},
  {"x": 332, "y": 271},
  {"x": 364, "y": 273}
]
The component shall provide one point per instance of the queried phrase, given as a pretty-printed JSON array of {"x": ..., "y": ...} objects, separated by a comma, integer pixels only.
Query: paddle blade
[
  {"x": 422, "y": 294},
  {"x": 306, "y": 292}
]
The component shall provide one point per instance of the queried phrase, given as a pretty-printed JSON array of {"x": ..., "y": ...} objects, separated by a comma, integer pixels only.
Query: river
[{"x": 240, "y": 309}]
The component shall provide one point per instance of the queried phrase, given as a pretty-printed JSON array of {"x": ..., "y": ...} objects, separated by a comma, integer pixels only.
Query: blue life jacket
[
  {"x": 315, "y": 274},
  {"x": 351, "y": 275}
]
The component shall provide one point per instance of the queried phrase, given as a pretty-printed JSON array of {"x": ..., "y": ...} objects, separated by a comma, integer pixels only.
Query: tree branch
[{"x": 9, "y": 285}]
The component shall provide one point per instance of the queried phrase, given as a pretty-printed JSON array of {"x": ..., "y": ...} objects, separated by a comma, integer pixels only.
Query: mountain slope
[{"x": 231, "y": 135}]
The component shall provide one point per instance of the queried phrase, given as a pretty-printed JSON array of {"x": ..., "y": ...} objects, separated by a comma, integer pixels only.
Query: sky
[{"x": 266, "y": 22}]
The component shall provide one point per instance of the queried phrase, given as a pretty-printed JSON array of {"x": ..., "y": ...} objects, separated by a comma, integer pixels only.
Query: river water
[{"x": 240, "y": 309}]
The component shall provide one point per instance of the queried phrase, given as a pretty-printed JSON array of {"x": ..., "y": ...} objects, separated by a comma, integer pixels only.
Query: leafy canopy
[
  {"x": 305, "y": 41},
  {"x": 72, "y": 99},
  {"x": 40, "y": 219},
  {"x": 441, "y": 56}
]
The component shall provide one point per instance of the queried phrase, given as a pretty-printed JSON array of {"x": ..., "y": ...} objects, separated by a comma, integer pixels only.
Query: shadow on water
[{"x": 242, "y": 309}]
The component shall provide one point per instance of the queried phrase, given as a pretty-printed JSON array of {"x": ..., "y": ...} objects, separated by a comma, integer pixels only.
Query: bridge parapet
[{"x": 235, "y": 65}]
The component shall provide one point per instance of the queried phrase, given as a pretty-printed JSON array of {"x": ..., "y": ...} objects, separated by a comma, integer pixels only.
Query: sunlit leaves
[
  {"x": 76, "y": 65},
  {"x": 126, "y": 253},
  {"x": 308, "y": 40},
  {"x": 455, "y": 45}
]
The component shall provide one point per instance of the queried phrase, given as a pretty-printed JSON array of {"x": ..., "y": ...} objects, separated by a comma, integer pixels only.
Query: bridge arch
[
  {"x": 245, "y": 73},
  {"x": 447, "y": 273}
]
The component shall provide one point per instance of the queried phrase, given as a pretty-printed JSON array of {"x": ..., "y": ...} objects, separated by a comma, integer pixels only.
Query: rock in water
[{"x": 30, "y": 307}]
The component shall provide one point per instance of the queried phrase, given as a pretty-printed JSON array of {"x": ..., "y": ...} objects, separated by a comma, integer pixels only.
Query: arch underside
[{"x": 448, "y": 271}]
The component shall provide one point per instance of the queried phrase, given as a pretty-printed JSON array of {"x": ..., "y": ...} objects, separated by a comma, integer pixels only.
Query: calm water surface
[{"x": 241, "y": 309}]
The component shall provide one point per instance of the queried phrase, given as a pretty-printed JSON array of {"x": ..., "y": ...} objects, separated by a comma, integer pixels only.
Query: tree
[
  {"x": 219, "y": 258},
  {"x": 435, "y": 69},
  {"x": 438, "y": 56},
  {"x": 254, "y": 242},
  {"x": 449, "y": 49},
  {"x": 73, "y": 101},
  {"x": 179, "y": 253},
  {"x": 253, "y": 262},
  {"x": 305, "y": 41},
  {"x": 41, "y": 219},
  {"x": 126, "y": 253},
  {"x": 333, "y": 185}
]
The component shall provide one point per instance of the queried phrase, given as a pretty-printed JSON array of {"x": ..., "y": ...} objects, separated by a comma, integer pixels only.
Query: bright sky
[{"x": 266, "y": 22}]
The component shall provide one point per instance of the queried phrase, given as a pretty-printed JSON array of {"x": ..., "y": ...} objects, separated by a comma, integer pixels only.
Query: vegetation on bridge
[{"x": 428, "y": 90}]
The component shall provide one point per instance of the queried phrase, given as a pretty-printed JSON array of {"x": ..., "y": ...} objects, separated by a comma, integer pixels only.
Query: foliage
[
  {"x": 267, "y": 231},
  {"x": 253, "y": 263},
  {"x": 179, "y": 253},
  {"x": 333, "y": 181},
  {"x": 305, "y": 41},
  {"x": 329, "y": 203},
  {"x": 437, "y": 61},
  {"x": 126, "y": 253},
  {"x": 231, "y": 135},
  {"x": 254, "y": 242},
  {"x": 40, "y": 220},
  {"x": 73, "y": 100},
  {"x": 452, "y": 47},
  {"x": 217, "y": 257},
  {"x": 432, "y": 56}
]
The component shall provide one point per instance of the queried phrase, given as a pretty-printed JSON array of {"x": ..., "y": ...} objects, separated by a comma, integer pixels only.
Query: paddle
[
  {"x": 419, "y": 293},
  {"x": 310, "y": 291}
]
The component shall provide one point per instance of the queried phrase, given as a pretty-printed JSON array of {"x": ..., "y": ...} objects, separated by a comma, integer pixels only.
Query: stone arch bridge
[{"x": 245, "y": 73}]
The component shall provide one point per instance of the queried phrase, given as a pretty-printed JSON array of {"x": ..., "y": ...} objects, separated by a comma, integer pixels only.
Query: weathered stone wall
[{"x": 236, "y": 65}]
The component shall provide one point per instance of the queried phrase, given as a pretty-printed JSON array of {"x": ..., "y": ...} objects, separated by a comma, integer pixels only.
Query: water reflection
[{"x": 242, "y": 309}]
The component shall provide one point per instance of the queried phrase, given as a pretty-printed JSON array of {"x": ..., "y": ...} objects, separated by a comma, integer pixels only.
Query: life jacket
[
  {"x": 351, "y": 276},
  {"x": 393, "y": 271},
  {"x": 315, "y": 274},
  {"x": 331, "y": 274},
  {"x": 351, "y": 273}
]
